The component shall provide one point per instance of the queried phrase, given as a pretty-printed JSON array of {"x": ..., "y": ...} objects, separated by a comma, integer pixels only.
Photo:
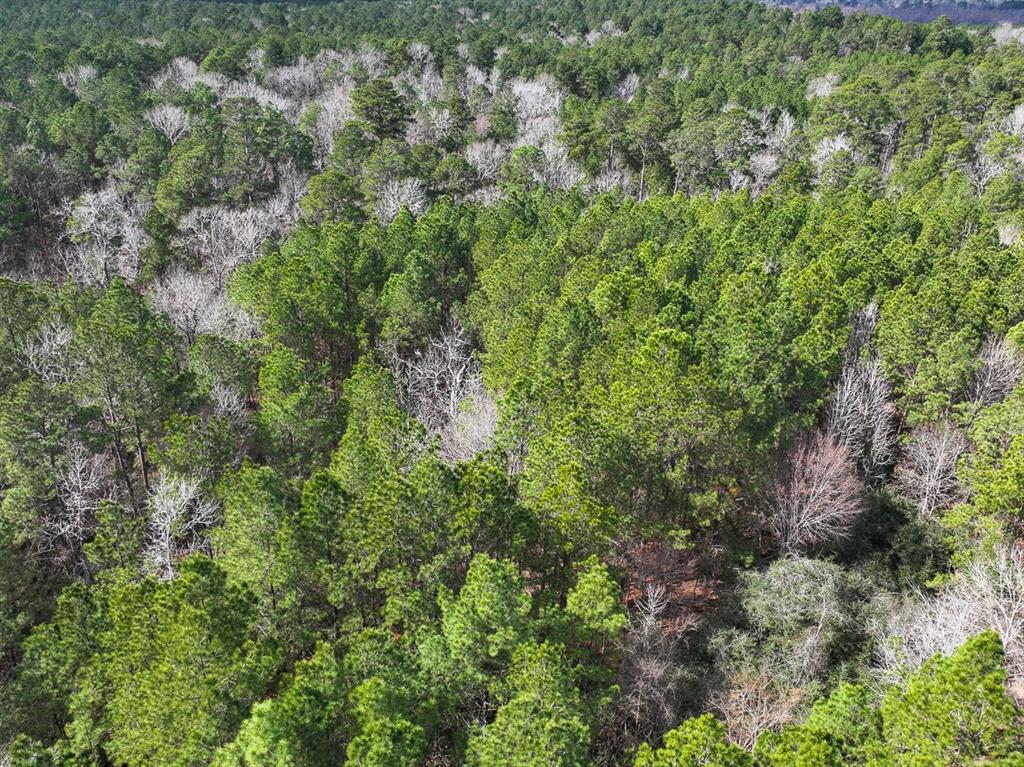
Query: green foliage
[
  {"x": 295, "y": 417},
  {"x": 953, "y": 710},
  {"x": 257, "y": 501},
  {"x": 542, "y": 722},
  {"x": 304, "y": 726},
  {"x": 174, "y": 672},
  {"x": 385, "y": 736},
  {"x": 593, "y": 606},
  {"x": 699, "y": 741},
  {"x": 487, "y": 621},
  {"x": 381, "y": 107},
  {"x": 675, "y": 239}
]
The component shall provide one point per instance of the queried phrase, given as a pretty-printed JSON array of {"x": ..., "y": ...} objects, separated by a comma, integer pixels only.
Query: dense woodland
[{"x": 577, "y": 383}]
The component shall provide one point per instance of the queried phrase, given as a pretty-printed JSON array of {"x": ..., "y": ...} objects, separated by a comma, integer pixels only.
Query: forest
[{"x": 576, "y": 383}]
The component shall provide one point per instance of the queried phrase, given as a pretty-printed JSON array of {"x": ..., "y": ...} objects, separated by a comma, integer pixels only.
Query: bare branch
[
  {"x": 821, "y": 87},
  {"x": 224, "y": 238},
  {"x": 1000, "y": 369},
  {"x": 926, "y": 473},
  {"x": 46, "y": 352},
  {"x": 196, "y": 304},
  {"x": 401, "y": 193},
  {"x": 752, "y": 704},
  {"x": 75, "y": 80},
  {"x": 106, "y": 229},
  {"x": 334, "y": 109},
  {"x": 178, "y": 519},
  {"x": 183, "y": 74},
  {"x": 988, "y": 594},
  {"x": 862, "y": 417},
  {"x": 170, "y": 120},
  {"x": 817, "y": 496},
  {"x": 443, "y": 388},
  {"x": 299, "y": 81},
  {"x": 649, "y": 674},
  {"x": 486, "y": 157},
  {"x": 83, "y": 481}
]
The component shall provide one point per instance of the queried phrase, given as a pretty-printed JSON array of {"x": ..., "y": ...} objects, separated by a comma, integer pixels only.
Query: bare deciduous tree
[
  {"x": 615, "y": 176},
  {"x": 443, "y": 388},
  {"x": 607, "y": 29},
  {"x": 106, "y": 229},
  {"x": 46, "y": 352},
  {"x": 1014, "y": 122},
  {"x": 752, "y": 704},
  {"x": 650, "y": 673},
  {"x": 180, "y": 72},
  {"x": 250, "y": 89},
  {"x": 224, "y": 238},
  {"x": 423, "y": 84},
  {"x": 821, "y": 87},
  {"x": 1010, "y": 233},
  {"x": 170, "y": 120},
  {"x": 486, "y": 195},
  {"x": 981, "y": 170},
  {"x": 763, "y": 167},
  {"x": 401, "y": 193},
  {"x": 995, "y": 587},
  {"x": 420, "y": 55},
  {"x": 178, "y": 519},
  {"x": 768, "y": 141},
  {"x": 228, "y": 403},
  {"x": 861, "y": 416},
  {"x": 76, "y": 79},
  {"x": 558, "y": 171},
  {"x": 334, "y": 109},
  {"x": 299, "y": 81},
  {"x": 628, "y": 88},
  {"x": 429, "y": 125},
  {"x": 828, "y": 147},
  {"x": 538, "y": 104},
  {"x": 817, "y": 496},
  {"x": 183, "y": 73},
  {"x": 1007, "y": 34},
  {"x": 926, "y": 473},
  {"x": 862, "y": 327},
  {"x": 373, "y": 60},
  {"x": 83, "y": 481},
  {"x": 486, "y": 157},
  {"x": 988, "y": 594},
  {"x": 256, "y": 61},
  {"x": 1000, "y": 369},
  {"x": 196, "y": 304}
]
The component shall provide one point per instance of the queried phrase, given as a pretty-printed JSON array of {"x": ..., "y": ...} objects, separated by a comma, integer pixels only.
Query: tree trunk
[{"x": 140, "y": 448}]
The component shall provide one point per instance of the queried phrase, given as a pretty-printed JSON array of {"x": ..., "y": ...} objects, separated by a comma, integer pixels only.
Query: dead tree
[
  {"x": 397, "y": 194},
  {"x": 650, "y": 673},
  {"x": 84, "y": 480},
  {"x": 47, "y": 352},
  {"x": 861, "y": 416},
  {"x": 816, "y": 497},
  {"x": 1000, "y": 368},
  {"x": 442, "y": 386},
  {"x": 170, "y": 120},
  {"x": 752, "y": 704},
  {"x": 988, "y": 594},
  {"x": 196, "y": 304},
  {"x": 178, "y": 519},
  {"x": 926, "y": 473},
  {"x": 106, "y": 229}
]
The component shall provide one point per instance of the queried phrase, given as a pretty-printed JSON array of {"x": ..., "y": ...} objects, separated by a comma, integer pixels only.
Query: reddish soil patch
[{"x": 654, "y": 564}]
